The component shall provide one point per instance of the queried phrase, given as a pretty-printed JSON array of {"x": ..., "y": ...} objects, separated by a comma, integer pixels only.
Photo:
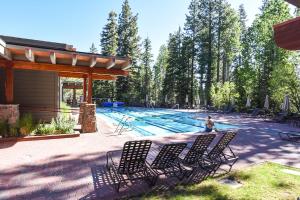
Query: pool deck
[{"x": 74, "y": 168}]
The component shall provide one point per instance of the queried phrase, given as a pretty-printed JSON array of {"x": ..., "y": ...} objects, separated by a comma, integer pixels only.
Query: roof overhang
[
  {"x": 4, "y": 53},
  {"x": 46, "y": 56},
  {"x": 287, "y": 34},
  {"x": 294, "y": 2}
]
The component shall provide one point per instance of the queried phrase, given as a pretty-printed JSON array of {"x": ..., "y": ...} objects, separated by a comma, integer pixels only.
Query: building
[{"x": 30, "y": 71}]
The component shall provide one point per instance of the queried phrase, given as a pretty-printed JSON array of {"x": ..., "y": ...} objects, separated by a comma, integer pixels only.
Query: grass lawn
[{"x": 265, "y": 181}]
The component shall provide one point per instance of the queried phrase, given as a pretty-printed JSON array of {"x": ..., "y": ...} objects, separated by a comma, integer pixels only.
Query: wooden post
[
  {"x": 90, "y": 88},
  {"x": 84, "y": 89},
  {"x": 74, "y": 97},
  {"x": 9, "y": 85}
]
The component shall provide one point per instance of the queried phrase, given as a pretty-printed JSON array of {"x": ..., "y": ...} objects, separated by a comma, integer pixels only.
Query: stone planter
[{"x": 9, "y": 113}]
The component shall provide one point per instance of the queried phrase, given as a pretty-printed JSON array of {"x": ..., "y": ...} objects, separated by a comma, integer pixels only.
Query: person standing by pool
[{"x": 209, "y": 124}]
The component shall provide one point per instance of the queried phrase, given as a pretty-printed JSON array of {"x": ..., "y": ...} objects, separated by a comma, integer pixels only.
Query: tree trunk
[
  {"x": 218, "y": 47},
  {"x": 209, "y": 63}
]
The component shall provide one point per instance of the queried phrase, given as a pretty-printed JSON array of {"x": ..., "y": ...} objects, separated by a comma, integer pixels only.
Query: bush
[
  {"x": 26, "y": 125},
  {"x": 7, "y": 130},
  {"x": 44, "y": 129},
  {"x": 63, "y": 125},
  {"x": 13, "y": 131},
  {"x": 60, "y": 125},
  {"x": 4, "y": 128}
]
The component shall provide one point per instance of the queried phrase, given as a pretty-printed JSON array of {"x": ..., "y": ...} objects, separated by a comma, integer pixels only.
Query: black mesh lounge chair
[
  {"x": 194, "y": 163},
  {"x": 218, "y": 156},
  {"x": 291, "y": 136},
  {"x": 167, "y": 161},
  {"x": 132, "y": 164}
]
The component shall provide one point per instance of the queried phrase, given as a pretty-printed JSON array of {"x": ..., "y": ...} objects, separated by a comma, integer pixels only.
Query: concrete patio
[{"x": 75, "y": 168}]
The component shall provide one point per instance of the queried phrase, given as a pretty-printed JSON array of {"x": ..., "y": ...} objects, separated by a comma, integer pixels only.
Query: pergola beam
[
  {"x": 111, "y": 64},
  {"x": 81, "y": 75},
  {"x": 93, "y": 61},
  {"x": 53, "y": 58},
  {"x": 29, "y": 54},
  {"x": 294, "y": 2},
  {"x": 74, "y": 59},
  {"x": 4, "y": 52},
  {"x": 67, "y": 68},
  {"x": 126, "y": 67}
]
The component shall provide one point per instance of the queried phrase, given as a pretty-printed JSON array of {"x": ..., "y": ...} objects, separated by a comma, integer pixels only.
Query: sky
[{"x": 80, "y": 22}]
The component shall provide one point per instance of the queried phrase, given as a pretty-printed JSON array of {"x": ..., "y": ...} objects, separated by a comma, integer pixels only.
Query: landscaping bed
[
  {"x": 27, "y": 129},
  {"x": 264, "y": 181},
  {"x": 43, "y": 137}
]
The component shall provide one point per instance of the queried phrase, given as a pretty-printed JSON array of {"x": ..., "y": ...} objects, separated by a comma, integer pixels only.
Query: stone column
[
  {"x": 9, "y": 113},
  {"x": 89, "y": 122},
  {"x": 81, "y": 111}
]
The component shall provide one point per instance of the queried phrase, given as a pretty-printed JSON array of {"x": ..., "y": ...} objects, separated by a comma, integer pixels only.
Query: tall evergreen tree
[
  {"x": 109, "y": 36},
  {"x": 192, "y": 31},
  {"x": 93, "y": 49},
  {"x": 174, "y": 59},
  {"x": 159, "y": 74},
  {"x": 108, "y": 44},
  {"x": 146, "y": 59},
  {"x": 128, "y": 88}
]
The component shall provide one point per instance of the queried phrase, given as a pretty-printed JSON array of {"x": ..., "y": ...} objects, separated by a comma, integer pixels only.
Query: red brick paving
[{"x": 73, "y": 168}]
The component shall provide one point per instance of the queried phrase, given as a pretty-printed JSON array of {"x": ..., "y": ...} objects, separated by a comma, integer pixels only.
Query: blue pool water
[{"x": 149, "y": 122}]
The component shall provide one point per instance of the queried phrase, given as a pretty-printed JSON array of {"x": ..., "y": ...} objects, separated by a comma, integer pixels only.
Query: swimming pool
[{"x": 150, "y": 122}]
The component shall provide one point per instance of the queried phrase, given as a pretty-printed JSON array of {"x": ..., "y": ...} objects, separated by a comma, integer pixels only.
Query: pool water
[{"x": 150, "y": 122}]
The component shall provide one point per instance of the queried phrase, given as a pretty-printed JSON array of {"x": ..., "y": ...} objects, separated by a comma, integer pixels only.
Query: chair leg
[{"x": 116, "y": 182}]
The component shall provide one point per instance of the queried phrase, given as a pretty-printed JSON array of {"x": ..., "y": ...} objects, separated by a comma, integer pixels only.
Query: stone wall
[
  {"x": 9, "y": 113},
  {"x": 81, "y": 110}
]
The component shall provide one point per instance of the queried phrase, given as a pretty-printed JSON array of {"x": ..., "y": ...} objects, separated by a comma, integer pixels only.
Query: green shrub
[
  {"x": 60, "y": 125},
  {"x": 13, "y": 131},
  {"x": 44, "y": 129},
  {"x": 26, "y": 124},
  {"x": 63, "y": 125},
  {"x": 4, "y": 128}
]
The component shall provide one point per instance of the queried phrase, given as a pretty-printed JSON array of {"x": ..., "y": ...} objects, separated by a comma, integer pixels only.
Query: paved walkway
[{"x": 74, "y": 168}]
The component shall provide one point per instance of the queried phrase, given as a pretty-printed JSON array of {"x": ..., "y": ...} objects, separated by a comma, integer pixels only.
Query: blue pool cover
[{"x": 110, "y": 104}]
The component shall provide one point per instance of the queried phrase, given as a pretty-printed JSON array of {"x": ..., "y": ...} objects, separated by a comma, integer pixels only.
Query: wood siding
[{"x": 37, "y": 92}]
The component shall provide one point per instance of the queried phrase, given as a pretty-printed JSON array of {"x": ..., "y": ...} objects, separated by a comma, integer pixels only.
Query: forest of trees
[{"x": 214, "y": 59}]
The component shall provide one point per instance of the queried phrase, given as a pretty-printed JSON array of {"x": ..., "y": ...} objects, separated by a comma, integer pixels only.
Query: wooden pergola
[
  {"x": 19, "y": 53},
  {"x": 287, "y": 34},
  {"x": 71, "y": 85}
]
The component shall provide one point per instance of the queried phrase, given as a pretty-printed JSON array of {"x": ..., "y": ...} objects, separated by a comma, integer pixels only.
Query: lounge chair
[
  {"x": 132, "y": 164},
  {"x": 219, "y": 157},
  {"x": 167, "y": 161},
  {"x": 291, "y": 136},
  {"x": 196, "y": 166}
]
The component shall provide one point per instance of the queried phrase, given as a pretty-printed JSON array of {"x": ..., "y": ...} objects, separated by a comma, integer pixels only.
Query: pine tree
[
  {"x": 93, "y": 49},
  {"x": 108, "y": 43},
  {"x": 146, "y": 61},
  {"x": 109, "y": 36},
  {"x": 192, "y": 30},
  {"x": 128, "y": 88},
  {"x": 159, "y": 74}
]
